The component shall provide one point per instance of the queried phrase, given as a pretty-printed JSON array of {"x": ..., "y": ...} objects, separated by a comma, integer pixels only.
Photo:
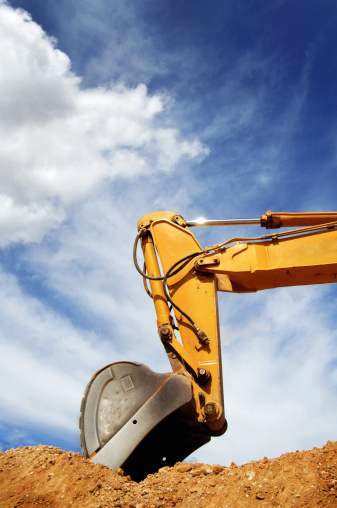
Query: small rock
[
  {"x": 201, "y": 471},
  {"x": 184, "y": 468}
]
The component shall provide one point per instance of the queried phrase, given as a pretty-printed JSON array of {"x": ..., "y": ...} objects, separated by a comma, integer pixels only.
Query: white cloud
[{"x": 61, "y": 142}]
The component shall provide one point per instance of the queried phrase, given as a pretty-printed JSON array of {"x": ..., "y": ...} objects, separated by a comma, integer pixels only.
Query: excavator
[{"x": 140, "y": 420}]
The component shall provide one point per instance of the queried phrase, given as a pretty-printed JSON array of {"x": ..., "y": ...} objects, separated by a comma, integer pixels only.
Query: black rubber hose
[
  {"x": 169, "y": 274},
  {"x": 182, "y": 262},
  {"x": 136, "y": 262}
]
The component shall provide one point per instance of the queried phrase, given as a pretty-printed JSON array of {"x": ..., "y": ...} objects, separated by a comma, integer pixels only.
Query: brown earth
[{"x": 49, "y": 477}]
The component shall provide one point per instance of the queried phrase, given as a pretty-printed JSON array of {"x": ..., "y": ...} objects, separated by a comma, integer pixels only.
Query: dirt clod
[{"x": 49, "y": 477}]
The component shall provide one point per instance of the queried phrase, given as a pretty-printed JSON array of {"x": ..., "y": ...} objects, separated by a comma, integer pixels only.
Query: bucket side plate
[{"x": 137, "y": 419}]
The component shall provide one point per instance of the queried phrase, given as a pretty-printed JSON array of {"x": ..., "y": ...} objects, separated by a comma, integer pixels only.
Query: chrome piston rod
[{"x": 225, "y": 222}]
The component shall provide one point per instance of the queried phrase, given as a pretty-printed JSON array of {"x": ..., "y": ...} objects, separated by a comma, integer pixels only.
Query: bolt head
[
  {"x": 165, "y": 333},
  {"x": 209, "y": 408}
]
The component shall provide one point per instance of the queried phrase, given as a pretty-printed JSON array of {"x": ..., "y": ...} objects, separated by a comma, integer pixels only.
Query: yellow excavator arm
[{"x": 183, "y": 409}]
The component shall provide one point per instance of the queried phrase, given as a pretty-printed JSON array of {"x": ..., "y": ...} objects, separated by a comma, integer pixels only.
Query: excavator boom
[{"x": 134, "y": 418}]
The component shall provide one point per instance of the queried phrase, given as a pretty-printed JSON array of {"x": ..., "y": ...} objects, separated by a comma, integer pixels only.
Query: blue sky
[{"x": 111, "y": 110}]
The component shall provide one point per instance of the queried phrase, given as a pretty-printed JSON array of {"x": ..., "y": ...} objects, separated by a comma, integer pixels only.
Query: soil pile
[{"x": 49, "y": 477}]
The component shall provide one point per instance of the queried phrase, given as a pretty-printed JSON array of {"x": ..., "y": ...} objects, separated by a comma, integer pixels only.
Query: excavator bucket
[{"x": 139, "y": 420}]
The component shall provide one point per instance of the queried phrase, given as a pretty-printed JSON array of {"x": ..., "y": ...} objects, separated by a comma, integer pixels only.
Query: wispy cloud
[{"x": 279, "y": 370}]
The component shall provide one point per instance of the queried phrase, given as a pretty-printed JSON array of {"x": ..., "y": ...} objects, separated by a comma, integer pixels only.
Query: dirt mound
[{"x": 49, "y": 477}]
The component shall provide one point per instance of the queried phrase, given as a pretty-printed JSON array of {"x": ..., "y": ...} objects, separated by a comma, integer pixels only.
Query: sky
[{"x": 111, "y": 110}]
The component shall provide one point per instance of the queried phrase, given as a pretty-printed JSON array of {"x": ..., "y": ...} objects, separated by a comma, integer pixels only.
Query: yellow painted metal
[
  {"x": 162, "y": 310},
  {"x": 272, "y": 220},
  {"x": 305, "y": 256},
  {"x": 159, "y": 299},
  {"x": 308, "y": 258},
  {"x": 196, "y": 295}
]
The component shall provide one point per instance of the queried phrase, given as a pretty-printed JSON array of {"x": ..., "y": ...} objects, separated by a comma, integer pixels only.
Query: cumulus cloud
[{"x": 61, "y": 142}]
